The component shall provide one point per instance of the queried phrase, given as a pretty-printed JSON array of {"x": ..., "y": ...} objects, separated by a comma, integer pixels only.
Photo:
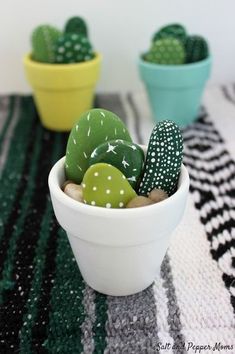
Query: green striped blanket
[{"x": 46, "y": 307}]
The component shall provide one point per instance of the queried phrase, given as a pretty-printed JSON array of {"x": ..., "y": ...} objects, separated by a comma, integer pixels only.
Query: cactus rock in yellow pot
[{"x": 63, "y": 70}]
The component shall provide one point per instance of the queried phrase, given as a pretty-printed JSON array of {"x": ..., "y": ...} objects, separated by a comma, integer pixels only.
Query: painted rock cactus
[
  {"x": 166, "y": 51},
  {"x": 125, "y": 156},
  {"x": 43, "y": 40},
  {"x": 105, "y": 186},
  {"x": 163, "y": 160},
  {"x": 73, "y": 48},
  {"x": 172, "y": 30},
  {"x": 196, "y": 49},
  {"x": 76, "y": 25},
  {"x": 92, "y": 129}
]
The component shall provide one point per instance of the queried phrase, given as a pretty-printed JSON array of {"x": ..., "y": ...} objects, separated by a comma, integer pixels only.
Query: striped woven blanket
[{"x": 46, "y": 307}]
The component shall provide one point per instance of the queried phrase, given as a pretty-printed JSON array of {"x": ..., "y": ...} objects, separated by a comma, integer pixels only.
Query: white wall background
[{"x": 120, "y": 30}]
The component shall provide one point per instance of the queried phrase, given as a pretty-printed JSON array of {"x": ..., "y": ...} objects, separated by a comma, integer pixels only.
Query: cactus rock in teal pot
[
  {"x": 163, "y": 160},
  {"x": 196, "y": 49},
  {"x": 93, "y": 128},
  {"x": 43, "y": 41},
  {"x": 105, "y": 186},
  {"x": 73, "y": 48},
  {"x": 76, "y": 25},
  {"x": 168, "y": 51},
  {"x": 127, "y": 157},
  {"x": 174, "y": 30}
]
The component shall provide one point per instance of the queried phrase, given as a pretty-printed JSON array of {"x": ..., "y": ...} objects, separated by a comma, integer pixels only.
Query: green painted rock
[
  {"x": 126, "y": 156},
  {"x": 76, "y": 25},
  {"x": 92, "y": 129},
  {"x": 73, "y": 48},
  {"x": 105, "y": 186},
  {"x": 168, "y": 51},
  {"x": 196, "y": 49},
  {"x": 163, "y": 160},
  {"x": 173, "y": 30},
  {"x": 43, "y": 40}
]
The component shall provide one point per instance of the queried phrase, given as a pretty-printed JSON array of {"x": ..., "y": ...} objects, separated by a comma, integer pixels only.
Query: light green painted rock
[
  {"x": 105, "y": 186},
  {"x": 166, "y": 51},
  {"x": 163, "y": 160},
  {"x": 125, "y": 156},
  {"x": 92, "y": 129}
]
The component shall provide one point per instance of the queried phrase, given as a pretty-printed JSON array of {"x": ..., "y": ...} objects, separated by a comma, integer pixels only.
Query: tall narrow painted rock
[
  {"x": 175, "y": 30},
  {"x": 92, "y": 129},
  {"x": 127, "y": 157},
  {"x": 196, "y": 49},
  {"x": 105, "y": 186},
  {"x": 76, "y": 25},
  {"x": 166, "y": 51},
  {"x": 163, "y": 160}
]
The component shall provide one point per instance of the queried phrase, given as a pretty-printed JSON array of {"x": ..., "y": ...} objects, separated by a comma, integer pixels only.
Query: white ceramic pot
[{"x": 118, "y": 251}]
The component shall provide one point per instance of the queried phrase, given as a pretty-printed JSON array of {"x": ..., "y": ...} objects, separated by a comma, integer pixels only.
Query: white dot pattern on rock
[
  {"x": 166, "y": 143},
  {"x": 115, "y": 192},
  {"x": 166, "y": 51},
  {"x": 72, "y": 48}
]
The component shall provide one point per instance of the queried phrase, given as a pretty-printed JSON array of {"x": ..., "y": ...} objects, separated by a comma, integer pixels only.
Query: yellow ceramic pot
[{"x": 62, "y": 92}]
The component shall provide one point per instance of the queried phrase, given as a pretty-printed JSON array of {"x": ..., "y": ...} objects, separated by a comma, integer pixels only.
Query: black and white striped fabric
[{"x": 46, "y": 307}]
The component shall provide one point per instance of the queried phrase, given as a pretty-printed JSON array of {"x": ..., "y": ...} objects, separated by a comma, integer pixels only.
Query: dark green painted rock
[
  {"x": 93, "y": 128},
  {"x": 76, "y": 25},
  {"x": 196, "y": 49},
  {"x": 126, "y": 156},
  {"x": 166, "y": 51},
  {"x": 105, "y": 186},
  {"x": 73, "y": 48},
  {"x": 163, "y": 160},
  {"x": 172, "y": 30}
]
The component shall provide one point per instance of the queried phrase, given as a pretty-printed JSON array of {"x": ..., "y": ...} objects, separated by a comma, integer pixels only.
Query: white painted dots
[
  {"x": 109, "y": 178},
  {"x": 108, "y": 191},
  {"x": 96, "y": 174},
  {"x": 108, "y": 205},
  {"x": 164, "y": 158},
  {"x": 122, "y": 191}
]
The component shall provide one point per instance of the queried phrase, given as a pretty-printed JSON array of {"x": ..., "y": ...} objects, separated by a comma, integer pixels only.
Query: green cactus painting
[
  {"x": 43, "y": 41},
  {"x": 196, "y": 49},
  {"x": 76, "y": 25},
  {"x": 73, "y": 48},
  {"x": 174, "y": 30},
  {"x": 168, "y": 51}
]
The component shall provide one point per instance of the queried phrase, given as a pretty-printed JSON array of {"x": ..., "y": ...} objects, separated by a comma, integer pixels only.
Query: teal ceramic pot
[{"x": 175, "y": 91}]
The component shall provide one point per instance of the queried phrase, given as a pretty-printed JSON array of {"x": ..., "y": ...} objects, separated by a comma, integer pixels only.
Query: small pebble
[
  {"x": 139, "y": 201},
  {"x": 157, "y": 195},
  {"x": 74, "y": 191},
  {"x": 65, "y": 184}
]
